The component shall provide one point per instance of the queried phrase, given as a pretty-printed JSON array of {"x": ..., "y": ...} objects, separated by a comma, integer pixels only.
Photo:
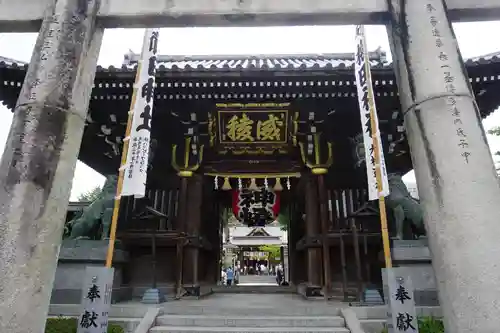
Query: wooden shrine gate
[{"x": 187, "y": 256}]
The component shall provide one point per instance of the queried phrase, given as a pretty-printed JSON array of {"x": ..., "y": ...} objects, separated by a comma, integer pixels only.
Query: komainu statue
[
  {"x": 97, "y": 214},
  {"x": 358, "y": 150},
  {"x": 405, "y": 208}
]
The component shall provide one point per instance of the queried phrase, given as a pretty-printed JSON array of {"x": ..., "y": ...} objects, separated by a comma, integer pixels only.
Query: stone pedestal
[
  {"x": 74, "y": 256},
  {"x": 153, "y": 296},
  {"x": 413, "y": 259}
]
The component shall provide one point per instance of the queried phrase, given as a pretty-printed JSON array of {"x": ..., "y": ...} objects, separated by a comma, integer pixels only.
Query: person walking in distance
[
  {"x": 229, "y": 276},
  {"x": 279, "y": 275}
]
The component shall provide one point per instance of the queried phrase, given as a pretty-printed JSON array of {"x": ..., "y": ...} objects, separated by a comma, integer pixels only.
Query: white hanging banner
[
  {"x": 369, "y": 119},
  {"x": 136, "y": 167}
]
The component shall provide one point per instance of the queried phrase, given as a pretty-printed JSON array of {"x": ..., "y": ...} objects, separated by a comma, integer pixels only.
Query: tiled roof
[
  {"x": 276, "y": 62},
  {"x": 10, "y": 61},
  {"x": 490, "y": 57},
  {"x": 258, "y": 62},
  {"x": 244, "y": 231}
]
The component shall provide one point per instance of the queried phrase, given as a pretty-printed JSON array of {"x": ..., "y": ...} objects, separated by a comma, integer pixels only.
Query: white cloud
[{"x": 474, "y": 39}]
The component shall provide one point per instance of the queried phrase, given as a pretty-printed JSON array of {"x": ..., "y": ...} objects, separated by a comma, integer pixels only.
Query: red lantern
[{"x": 256, "y": 207}]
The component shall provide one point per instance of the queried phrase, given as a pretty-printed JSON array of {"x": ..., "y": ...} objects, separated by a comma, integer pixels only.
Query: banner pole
[
  {"x": 378, "y": 171},
  {"x": 121, "y": 172},
  {"x": 383, "y": 224}
]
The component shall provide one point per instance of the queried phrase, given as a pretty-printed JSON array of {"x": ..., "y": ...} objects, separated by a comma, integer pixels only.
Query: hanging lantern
[
  {"x": 240, "y": 184},
  {"x": 226, "y": 186},
  {"x": 252, "y": 207},
  {"x": 253, "y": 185},
  {"x": 288, "y": 184},
  {"x": 266, "y": 183},
  {"x": 278, "y": 187},
  {"x": 216, "y": 182}
]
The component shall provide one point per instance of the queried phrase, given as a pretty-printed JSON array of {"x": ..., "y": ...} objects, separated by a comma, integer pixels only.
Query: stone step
[
  {"x": 288, "y": 309},
  {"x": 261, "y": 289},
  {"x": 222, "y": 329},
  {"x": 249, "y": 321}
]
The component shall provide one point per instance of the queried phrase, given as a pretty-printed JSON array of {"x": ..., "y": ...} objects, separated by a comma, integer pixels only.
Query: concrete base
[
  {"x": 74, "y": 256},
  {"x": 153, "y": 296},
  {"x": 414, "y": 259}
]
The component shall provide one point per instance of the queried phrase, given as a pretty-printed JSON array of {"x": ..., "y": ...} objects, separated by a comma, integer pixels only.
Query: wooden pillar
[
  {"x": 323, "y": 209},
  {"x": 349, "y": 201},
  {"x": 292, "y": 241},
  {"x": 192, "y": 229},
  {"x": 179, "y": 227},
  {"x": 182, "y": 204},
  {"x": 314, "y": 265},
  {"x": 210, "y": 227},
  {"x": 220, "y": 240}
]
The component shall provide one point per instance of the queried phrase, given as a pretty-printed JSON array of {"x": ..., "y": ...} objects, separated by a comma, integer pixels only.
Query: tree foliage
[
  {"x": 90, "y": 195},
  {"x": 273, "y": 250},
  {"x": 70, "y": 325},
  {"x": 283, "y": 218}
]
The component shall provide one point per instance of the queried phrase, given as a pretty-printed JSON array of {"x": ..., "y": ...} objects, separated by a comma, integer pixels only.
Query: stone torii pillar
[
  {"x": 456, "y": 178},
  {"x": 40, "y": 158}
]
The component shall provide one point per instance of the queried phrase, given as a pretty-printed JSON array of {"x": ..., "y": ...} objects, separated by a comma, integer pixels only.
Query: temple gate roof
[{"x": 323, "y": 83}]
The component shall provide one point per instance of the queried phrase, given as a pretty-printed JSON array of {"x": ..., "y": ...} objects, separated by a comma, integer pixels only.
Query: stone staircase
[
  {"x": 238, "y": 313},
  {"x": 249, "y": 289}
]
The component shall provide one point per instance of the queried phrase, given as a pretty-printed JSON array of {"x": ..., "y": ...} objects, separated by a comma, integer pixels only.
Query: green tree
[
  {"x": 273, "y": 250},
  {"x": 283, "y": 218},
  {"x": 90, "y": 195}
]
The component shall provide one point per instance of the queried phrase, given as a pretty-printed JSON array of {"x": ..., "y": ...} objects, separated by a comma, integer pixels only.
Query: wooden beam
[{"x": 26, "y": 15}]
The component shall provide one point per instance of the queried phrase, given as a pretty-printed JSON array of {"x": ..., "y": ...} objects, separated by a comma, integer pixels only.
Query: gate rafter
[{"x": 26, "y": 15}]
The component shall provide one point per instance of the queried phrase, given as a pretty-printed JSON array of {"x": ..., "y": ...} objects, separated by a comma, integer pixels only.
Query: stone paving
[{"x": 256, "y": 280}]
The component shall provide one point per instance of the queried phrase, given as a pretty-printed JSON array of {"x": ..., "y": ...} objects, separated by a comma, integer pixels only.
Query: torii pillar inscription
[
  {"x": 457, "y": 182},
  {"x": 40, "y": 158}
]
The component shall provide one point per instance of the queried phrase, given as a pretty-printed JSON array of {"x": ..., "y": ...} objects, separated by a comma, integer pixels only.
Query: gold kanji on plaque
[
  {"x": 240, "y": 128},
  {"x": 269, "y": 130}
]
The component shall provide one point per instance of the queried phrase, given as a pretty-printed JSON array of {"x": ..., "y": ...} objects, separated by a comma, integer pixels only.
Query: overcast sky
[{"x": 474, "y": 39}]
